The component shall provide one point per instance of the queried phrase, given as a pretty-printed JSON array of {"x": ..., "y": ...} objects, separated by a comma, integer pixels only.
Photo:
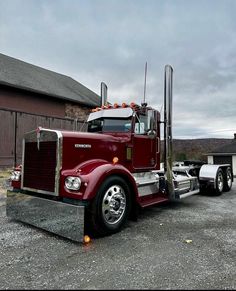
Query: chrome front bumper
[{"x": 63, "y": 219}]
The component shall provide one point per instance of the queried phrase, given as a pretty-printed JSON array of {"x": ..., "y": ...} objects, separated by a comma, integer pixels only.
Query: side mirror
[{"x": 139, "y": 128}]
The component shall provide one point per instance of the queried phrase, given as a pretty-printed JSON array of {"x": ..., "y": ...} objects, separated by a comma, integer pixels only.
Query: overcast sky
[{"x": 110, "y": 41}]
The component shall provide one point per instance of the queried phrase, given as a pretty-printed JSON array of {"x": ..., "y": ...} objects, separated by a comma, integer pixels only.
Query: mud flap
[{"x": 60, "y": 218}]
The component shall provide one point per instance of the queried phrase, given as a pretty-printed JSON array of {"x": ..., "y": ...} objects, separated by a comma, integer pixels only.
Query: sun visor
[{"x": 111, "y": 113}]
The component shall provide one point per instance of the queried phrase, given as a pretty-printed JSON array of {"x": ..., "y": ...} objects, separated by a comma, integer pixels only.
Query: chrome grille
[
  {"x": 42, "y": 161},
  {"x": 40, "y": 166}
]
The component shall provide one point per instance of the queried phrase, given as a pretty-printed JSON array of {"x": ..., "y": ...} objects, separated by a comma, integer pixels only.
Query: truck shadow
[{"x": 155, "y": 210}]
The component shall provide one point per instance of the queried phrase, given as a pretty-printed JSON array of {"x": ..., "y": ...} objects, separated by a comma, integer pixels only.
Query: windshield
[{"x": 109, "y": 125}]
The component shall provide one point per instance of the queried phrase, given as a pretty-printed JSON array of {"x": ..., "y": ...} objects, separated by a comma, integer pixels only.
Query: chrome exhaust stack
[
  {"x": 168, "y": 88},
  {"x": 103, "y": 94}
]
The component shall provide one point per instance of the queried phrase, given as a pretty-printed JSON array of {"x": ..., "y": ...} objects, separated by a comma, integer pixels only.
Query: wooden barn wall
[
  {"x": 13, "y": 126},
  {"x": 24, "y": 101}
]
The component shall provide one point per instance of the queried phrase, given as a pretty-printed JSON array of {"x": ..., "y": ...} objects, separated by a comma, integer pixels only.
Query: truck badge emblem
[{"x": 83, "y": 146}]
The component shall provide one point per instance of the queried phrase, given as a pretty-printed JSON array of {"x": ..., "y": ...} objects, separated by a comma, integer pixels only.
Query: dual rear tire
[
  {"x": 224, "y": 181},
  {"x": 228, "y": 180}
]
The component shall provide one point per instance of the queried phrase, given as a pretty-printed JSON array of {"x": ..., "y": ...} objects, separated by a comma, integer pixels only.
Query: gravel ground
[{"x": 190, "y": 244}]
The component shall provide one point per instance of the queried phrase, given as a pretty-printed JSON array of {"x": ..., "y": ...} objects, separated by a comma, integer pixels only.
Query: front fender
[
  {"x": 93, "y": 173},
  {"x": 99, "y": 174}
]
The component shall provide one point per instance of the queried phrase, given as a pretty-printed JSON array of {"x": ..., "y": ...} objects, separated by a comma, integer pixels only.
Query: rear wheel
[
  {"x": 111, "y": 206},
  {"x": 219, "y": 182},
  {"x": 228, "y": 179}
]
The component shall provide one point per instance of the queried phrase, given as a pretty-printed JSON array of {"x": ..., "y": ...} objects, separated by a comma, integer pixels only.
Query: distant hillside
[{"x": 188, "y": 149}]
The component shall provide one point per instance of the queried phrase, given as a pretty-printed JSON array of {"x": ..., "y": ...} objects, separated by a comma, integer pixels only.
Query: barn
[
  {"x": 224, "y": 155},
  {"x": 31, "y": 96}
]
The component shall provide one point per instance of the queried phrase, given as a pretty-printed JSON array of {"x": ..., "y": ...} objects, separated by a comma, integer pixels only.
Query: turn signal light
[
  {"x": 87, "y": 239},
  {"x": 115, "y": 160}
]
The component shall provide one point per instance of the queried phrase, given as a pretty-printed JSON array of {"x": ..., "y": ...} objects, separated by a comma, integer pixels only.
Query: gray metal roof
[
  {"x": 19, "y": 74},
  {"x": 226, "y": 149}
]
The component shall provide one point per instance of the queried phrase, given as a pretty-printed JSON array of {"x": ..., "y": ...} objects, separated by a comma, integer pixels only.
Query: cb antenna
[{"x": 145, "y": 82}]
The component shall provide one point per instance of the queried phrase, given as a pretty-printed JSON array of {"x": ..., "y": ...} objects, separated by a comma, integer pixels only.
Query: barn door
[{"x": 7, "y": 138}]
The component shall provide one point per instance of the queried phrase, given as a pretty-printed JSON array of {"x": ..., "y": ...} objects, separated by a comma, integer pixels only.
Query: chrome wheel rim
[
  {"x": 220, "y": 182},
  {"x": 229, "y": 178},
  {"x": 114, "y": 204}
]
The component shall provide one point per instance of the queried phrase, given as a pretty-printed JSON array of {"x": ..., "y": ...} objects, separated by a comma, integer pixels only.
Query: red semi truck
[{"x": 99, "y": 178}]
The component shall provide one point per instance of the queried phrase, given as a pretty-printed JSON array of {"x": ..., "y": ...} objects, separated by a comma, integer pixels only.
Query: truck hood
[{"x": 78, "y": 147}]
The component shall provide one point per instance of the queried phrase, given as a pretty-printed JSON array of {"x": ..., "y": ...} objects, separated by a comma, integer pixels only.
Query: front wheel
[{"x": 111, "y": 206}]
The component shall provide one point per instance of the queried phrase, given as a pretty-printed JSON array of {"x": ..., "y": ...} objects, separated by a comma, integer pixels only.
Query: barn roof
[
  {"x": 22, "y": 75},
  {"x": 226, "y": 149}
]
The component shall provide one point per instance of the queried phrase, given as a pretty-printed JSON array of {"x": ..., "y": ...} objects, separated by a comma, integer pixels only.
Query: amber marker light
[
  {"x": 115, "y": 160},
  {"x": 132, "y": 104},
  {"x": 124, "y": 105},
  {"x": 87, "y": 239},
  {"x": 116, "y": 105}
]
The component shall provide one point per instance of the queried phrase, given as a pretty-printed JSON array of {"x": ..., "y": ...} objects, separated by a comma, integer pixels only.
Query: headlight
[
  {"x": 72, "y": 183},
  {"x": 15, "y": 176}
]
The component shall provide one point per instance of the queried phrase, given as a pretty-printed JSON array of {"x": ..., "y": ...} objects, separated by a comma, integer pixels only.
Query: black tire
[
  {"x": 219, "y": 182},
  {"x": 111, "y": 207},
  {"x": 228, "y": 179}
]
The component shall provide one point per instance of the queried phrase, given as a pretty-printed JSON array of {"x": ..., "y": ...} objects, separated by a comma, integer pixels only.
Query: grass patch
[{"x": 5, "y": 174}]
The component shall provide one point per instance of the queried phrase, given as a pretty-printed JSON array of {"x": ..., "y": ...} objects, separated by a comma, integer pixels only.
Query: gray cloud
[{"x": 110, "y": 41}]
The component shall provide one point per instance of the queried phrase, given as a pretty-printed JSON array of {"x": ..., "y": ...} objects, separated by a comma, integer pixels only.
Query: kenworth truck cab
[{"x": 73, "y": 181}]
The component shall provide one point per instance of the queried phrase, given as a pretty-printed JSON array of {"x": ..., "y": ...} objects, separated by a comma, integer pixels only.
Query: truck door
[{"x": 145, "y": 141}]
